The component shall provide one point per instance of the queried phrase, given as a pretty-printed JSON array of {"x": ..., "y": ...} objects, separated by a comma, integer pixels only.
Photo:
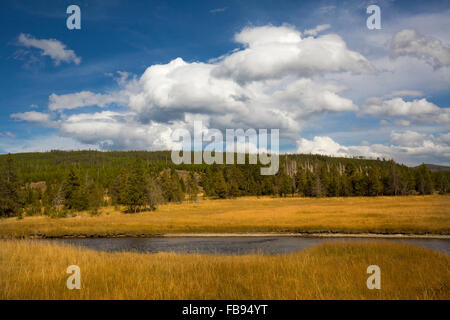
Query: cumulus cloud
[
  {"x": 316, "y": 30},
  {"x": 321, "y": 145},
  {"x": 53, "y": 48},
  {"x": 113, "y": 130},
  {"x": 271, "y": 84},
  {"x": 274, "y": 52},
  {"x": 168, "y": 91},
  {"x": 411, "y": 148},
  {"x": 410, "y": 138},
  {"x": 409, "y": 42},
  {"x": 417, "y": 110}
]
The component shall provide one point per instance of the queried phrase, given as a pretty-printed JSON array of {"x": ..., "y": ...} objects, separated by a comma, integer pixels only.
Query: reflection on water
[{"x": 231, "y": 245}]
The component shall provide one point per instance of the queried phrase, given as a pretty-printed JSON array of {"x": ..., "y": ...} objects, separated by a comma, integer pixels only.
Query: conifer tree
[
  {"x": 72, "y": 191},
  {"x": 117, "y": 188},
  {"x": 10, "y": 203},
  {"x": 176, "y": 186},
  {"x": 441, "y": 182},
  {"x": 94, "y": 196},
  {"x": 423, "y": 180},
  {"x": 373, "y": 182},
  {"x": 134, "y": 195},
  {"x": 220, "y": 186},
  {"x": 300, "y": 182}
]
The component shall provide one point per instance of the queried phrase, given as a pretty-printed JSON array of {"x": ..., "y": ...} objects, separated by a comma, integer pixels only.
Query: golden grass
[
  {"x": 37, "y": 270},
  {"x": 411, "y": 214}
]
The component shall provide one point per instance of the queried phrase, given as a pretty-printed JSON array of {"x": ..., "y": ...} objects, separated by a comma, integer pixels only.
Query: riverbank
[
  {"x": 416, "y": 216},
  {"x": 234, "y": 235},
  {"x": 36, "y": 270}
]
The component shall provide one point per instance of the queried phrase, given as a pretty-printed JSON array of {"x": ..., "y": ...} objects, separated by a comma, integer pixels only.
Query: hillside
[{"x": 436, "y": 167}]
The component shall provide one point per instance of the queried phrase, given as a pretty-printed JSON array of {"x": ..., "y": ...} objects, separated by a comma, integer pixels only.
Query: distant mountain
[{"x": 436, "y": 167}]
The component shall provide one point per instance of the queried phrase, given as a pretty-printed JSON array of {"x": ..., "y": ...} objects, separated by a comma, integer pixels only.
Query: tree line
[{"x": 58, "y": 183}]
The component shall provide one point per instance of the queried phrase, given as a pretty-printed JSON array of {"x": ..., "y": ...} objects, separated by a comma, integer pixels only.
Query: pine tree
[
  {"x": 207, "y": 182},
  {"x": 325, "y": 181},
  {"x": 73, "y": 194},
  {"x": 334, "y": 182},
  {"x": 10, "y": 203},
  {"x": 357, "y": 183},
  {"x": 300, "y": 182},
  {"x": 117, "y": 188},
  {"x": 220, "y": 186},
  {"x": 373, "y": 182},
  {"x": 441, "y": 182},
  {"x": 393, "y": 180},
  {"x": 134, "y": 195},
  {"x": 308, "y": 190},
  {"x": 285, "y": 185},
  {"x": 177, "y": 187},
  {"x": 233, "y": 178},
  {"x": 94, "y": 196},
  {"x": 423, "y": 180}
]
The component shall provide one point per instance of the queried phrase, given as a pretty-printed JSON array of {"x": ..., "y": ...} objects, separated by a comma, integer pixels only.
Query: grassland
[
  {"x": 410, "y": 215},
  {"x": 331, "y": 271}
]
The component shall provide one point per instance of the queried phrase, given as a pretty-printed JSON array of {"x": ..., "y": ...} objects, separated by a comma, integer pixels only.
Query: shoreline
[{"x": 235, "y": 235}]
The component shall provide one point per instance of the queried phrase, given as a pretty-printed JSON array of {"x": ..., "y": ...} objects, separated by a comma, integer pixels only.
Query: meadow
[
  {"x": 32, "y": 270},
  {"x": 401, "y": 214}
]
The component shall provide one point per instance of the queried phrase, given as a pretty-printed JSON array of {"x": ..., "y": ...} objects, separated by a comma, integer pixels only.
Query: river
[{"x": 231, "y": 245}]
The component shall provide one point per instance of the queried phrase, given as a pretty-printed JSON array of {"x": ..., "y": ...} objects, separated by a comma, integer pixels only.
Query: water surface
[{"x": 231, "y": 245}]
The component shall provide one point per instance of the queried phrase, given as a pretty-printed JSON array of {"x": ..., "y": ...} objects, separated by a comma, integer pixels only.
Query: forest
[{"x": 59, "y": 183}]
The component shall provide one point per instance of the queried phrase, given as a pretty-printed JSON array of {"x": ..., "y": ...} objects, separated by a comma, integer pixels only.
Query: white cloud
[
  {"x": 169, "y": 94},
  {"x": 408, "y": 147},
  {"x": 409, "y": 138},
  {"x": 84, "y": 99},
  {"x": 275, "y": 52},
  {"x": 113, "y": 130},
  {"x": 316, "y": 30},
  {"x": 278, "y": 80},
  {"x": 321, "y": 145},
  {"x": 168, "y": 91},
  {"x": 408, "y": 42},
  {"x": 416, "y": 110},
  {"x": 50, "y": 47},
  {"x": 32, "y": 117}
]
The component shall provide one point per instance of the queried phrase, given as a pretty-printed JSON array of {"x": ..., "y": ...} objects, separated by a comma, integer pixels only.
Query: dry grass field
[
  {"x": 30, "y": 270},
  {"x": 411, "y": 214}
]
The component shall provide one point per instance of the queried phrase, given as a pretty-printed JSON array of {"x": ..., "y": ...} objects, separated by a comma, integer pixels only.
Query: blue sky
[{"x": 382, "y": 93}]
